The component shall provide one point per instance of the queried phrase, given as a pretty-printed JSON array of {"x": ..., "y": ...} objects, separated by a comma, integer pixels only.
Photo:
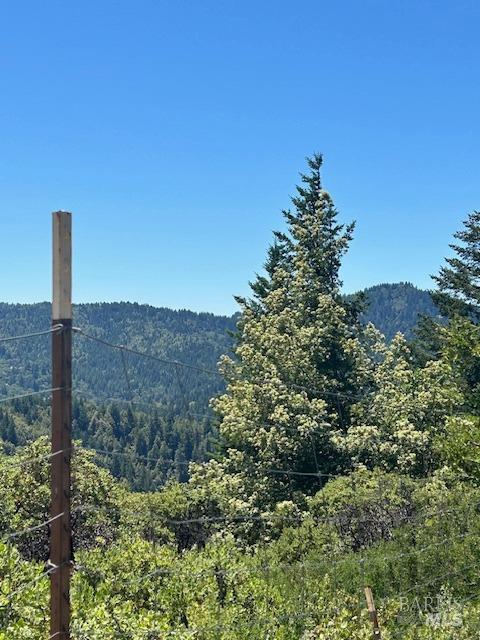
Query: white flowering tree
[
  {"x": 299, "y": 365},
  {"x": 395, "y": 428}
]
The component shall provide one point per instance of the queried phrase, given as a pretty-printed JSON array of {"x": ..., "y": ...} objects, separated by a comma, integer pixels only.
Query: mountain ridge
[
  {"x": 193, "y": 338},
  {"x": 395, "y": 307}
]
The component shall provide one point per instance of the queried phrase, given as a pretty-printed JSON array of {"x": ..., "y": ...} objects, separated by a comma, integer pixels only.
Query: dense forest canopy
[
  {"x": 334, "y": 456},
  {"x": 395, "y": 308},
  {"x": 169, "y": 421},
  {"x": 185, "y": 336}
]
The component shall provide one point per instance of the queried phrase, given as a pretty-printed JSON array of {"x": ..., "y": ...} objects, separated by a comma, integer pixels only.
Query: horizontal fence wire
[
  {"x": 332, "y": 520},
  {"x": 284, "y": 567},
  {"x": 14, "y": 462},
  {"x": 325, "y": 565},
  {"x": 417, "y": 586},
  {"x": 143, "y": 354},
  {"x": 134, "y": 456},
  {"x": 56, "y": 328},
  {"x": 28, "y": 585},
  {"x": 290, "y": 617},
  {"x": 177, "y": 363},
  {"x": 37, "y": 527},
  {"x": 426, "y": 513},
  {"x": 30, "y": 394}
]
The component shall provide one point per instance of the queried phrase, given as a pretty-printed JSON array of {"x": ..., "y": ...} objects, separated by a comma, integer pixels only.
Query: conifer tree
[
  {"x": 459, "y": 281},
  {"x": 457, "y": 296},
  {"x": 298, "y": 364}
]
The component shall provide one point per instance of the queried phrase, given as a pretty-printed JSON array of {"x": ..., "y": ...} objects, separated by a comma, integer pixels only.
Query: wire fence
[{"x": 451, "y": 526}]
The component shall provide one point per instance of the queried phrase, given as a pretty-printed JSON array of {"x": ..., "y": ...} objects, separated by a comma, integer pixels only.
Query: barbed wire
[
  {"x": 308, "y": 433},
  {"x": 215, "y": 571},
  {"x": 45, "y": 523},
  {"x": 427, "y": 583},
  {"x": 173, "y": 463},
  {"x": 264, "y": 569},
  {"x": 302, "y": 517},
  {"x": 177, "y": 363},
  {"x": 271, "y": 568},
  {"x": 313, "y": 614},
  {"x": 23, "y": 532}
]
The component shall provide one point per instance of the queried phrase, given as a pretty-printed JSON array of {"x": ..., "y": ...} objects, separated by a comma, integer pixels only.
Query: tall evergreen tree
[
  {"x": 459, "y": 281},
  {"x": 458, "y": 292},
  {"x": 299, "y": 363}
]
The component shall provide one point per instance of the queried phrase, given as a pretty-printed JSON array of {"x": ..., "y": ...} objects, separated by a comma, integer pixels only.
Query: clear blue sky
[{"x": 175, "y": 130}]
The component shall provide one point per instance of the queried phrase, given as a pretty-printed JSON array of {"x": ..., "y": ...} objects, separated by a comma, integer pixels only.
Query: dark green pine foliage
[
  {"x": 319, "y": 243},
  {"x": 8, "y": 430},
  {"x": 323, "y": 250},
  {"x": 458, "y": 282},
  {"x": 325, "y": 241},
  {"x": 147, "y": 449},
  {"x": 397, "y": 308},
  {"x": 278, "y": 257},
  {"x": 457, "y": 294}
]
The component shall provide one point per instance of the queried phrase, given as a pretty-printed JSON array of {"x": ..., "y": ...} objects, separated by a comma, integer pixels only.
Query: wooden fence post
[
  {"x": 373, "y": 613},
  {"x": 60, "y": 527}
]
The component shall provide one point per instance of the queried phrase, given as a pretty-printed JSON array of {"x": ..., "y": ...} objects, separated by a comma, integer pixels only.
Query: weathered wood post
[
  {"x": 373, "y": 614},
  {"x": 60, "y": 527}
]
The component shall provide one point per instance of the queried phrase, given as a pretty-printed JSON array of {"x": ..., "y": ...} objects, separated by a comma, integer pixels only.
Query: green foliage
[
  {"x": 460, "y": 348},
  {"x": 386, "y": 529},
  {"x": 23, "y": 597},
  {"x": 180, "y": 514},
  {"x": 25, "y": 499},
  {"x": 194, "y": 338},
  {"x": 396, "y": 308},
  {"x": 342, "y": 460},
  {"x": 395, "y": 428},
  {"x": 458, "y": 292},
  {"x": 365, "y": 507},
  {"x": 459, "y": 446},
  {"x": 458, "y": 299},
  {"x": 299, "y": 358}
]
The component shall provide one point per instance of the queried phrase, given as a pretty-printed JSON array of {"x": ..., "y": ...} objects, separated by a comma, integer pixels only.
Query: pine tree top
[
  {"x": 305, "y": 259},
  {"x": 458, "y": 281}
]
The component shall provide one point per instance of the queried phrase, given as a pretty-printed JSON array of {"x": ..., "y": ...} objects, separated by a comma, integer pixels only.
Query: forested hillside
[
  {"x": 99, "y": 372},
  {"x": 146, "y": 447},
  {"x": 337, "y": 460},
  {"x": 149, "y": 418},
  {"x": 193, "y": 338},
  {"x": 396, "y": 307},
  {"x": 341, "y": 461}
]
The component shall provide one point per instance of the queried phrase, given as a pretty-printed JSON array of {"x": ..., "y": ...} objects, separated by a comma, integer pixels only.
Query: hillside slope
[
  {"x": 193, "y": 338},
  {"x": 396, "y": 307}
]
